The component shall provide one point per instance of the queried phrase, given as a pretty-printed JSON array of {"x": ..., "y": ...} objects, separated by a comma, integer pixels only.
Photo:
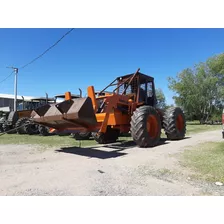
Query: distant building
[{"x": 7, "y": 101}]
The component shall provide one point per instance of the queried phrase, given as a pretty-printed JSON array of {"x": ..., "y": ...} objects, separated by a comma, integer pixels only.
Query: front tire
[
  {"x": 82, "y": 135},
  {"x": 146, "y": 126},
  {"x": 43, "y": 130},
  {"x": 31, "y": 129},
  {"x": 21, "y": 122},
  {"x": 110, "y": 136},
  {"x": 174, "y": 123}
]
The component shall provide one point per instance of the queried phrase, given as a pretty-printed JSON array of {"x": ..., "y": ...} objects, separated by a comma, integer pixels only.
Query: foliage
[
  {"x": 161, "y": 100},
  {"x": 200, "y": 90}
]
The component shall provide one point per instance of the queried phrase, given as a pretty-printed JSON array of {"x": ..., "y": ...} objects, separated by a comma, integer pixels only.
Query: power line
[
  {"x": 7, "y": 77},
  {"x": 40, "y": 54},
  {"x": 48, "y": 49}
]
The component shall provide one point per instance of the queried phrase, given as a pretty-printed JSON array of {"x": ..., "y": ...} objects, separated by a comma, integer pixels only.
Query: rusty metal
[
  {"x": 40, "y": 111},
  {"x": 67, "y": 114}
]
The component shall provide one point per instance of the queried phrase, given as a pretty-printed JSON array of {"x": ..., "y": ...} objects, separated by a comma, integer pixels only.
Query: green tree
[
  {"x": 200, "y": 90},
  {"x": 161, "y": 99}
]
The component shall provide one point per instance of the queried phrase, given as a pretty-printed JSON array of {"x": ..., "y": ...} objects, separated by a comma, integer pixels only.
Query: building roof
[
  {"x": 26, "y": 98},
  {"x": 42, "y": 98},
  {"x": 63, "y": 96},
  {"x": 11, "y": 96}
]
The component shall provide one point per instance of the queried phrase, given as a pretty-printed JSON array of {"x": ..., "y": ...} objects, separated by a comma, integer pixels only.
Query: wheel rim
[
  {"x": 152, "y": 126},
  {"x": 180, "y": 122}
]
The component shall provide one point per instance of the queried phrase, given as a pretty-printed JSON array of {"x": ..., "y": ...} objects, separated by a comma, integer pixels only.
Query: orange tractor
[{"x": 130, "y": 107}]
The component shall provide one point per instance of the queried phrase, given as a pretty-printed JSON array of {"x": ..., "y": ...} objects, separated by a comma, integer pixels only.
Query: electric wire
[
  {"x": 47, "y": 49},
  {"x": 40, "y": 54},
  {"x": 7, "y": 77}
]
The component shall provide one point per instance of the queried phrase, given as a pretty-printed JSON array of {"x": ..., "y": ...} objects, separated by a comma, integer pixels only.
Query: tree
[
  {"x": 161, "y": 100},
  {"x": 200, "y": 90}
]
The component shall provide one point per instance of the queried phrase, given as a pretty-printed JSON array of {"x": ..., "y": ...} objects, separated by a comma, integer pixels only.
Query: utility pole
[{"x": 15, "y": 87}]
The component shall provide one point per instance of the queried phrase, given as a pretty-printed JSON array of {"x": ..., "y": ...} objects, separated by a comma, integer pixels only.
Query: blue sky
[{"x": 97, "y": 56}]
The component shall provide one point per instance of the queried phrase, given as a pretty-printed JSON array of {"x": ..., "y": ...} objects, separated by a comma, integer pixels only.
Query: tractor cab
[{"x": 138, "y": 86}]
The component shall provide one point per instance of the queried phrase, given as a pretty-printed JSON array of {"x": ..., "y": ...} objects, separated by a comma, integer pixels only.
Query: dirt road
[{"x": 117, "y": 169}]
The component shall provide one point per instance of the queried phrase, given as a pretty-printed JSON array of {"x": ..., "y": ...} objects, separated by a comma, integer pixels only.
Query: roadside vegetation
[
  {"x": 206, "y": 160},
  {"x": 195, "y": 127},
  {"x": 200, "y": 90},
  {"x": 48, "y": 141},
  {"x": 66, "y": 141}
]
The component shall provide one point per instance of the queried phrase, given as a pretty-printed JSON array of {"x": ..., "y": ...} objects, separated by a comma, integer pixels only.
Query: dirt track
[{"x": 116, "y": 169}]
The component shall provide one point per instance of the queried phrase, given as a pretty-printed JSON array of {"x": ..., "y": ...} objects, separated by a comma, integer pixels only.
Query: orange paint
[
  {"x": 68, "y": 96},
  {"x": 152, "y": 126},
  {"x": 180, "y": 122},
  {"x": 116, "y": 118},
  {"x": 91, "y": 94}
]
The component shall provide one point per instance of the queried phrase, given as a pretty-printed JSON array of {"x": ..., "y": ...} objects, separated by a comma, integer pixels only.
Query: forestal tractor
[{"x": 130, "y": 107}]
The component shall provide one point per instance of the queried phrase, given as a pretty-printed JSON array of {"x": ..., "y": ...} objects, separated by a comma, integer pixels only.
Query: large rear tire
[
  {"x": 174, "y": 123},
  {"x": 21, "y": 122},
  {"x": 110, "y": 136},
  {"x": 146, "y": 126}
]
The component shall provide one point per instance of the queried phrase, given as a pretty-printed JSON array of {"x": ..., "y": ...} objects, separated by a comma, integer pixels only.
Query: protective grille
[{"x": 132, "y": 88}]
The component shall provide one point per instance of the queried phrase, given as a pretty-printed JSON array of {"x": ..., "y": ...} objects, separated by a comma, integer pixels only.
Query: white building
[{"x": 7, "y": 101}]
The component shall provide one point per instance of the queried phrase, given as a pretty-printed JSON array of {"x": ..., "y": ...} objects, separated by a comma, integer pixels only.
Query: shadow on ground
[
  {"x": 96, "y": 152},
  {"x": 179, "y": 140},
  {"x": 92, "y": 152}
]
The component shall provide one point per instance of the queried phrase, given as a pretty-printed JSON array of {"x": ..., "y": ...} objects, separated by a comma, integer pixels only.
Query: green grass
[
  {"x": 49, "y": 141},
  {"x": 66, "y": 141},
  {"x": 193, "y": 122},
  {"x": 197, "y": 128},
  {"x": 54, "y": 141},
  {"x": 207, "y": 160}
]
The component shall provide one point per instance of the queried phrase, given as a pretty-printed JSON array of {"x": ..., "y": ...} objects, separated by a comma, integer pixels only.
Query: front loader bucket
[
  {"x": 67, "y": 114},
  {"x": 40, "y": 111}
]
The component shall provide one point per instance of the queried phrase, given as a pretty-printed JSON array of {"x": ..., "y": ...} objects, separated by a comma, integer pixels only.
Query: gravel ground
[{"x": 116, "y": 169}]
